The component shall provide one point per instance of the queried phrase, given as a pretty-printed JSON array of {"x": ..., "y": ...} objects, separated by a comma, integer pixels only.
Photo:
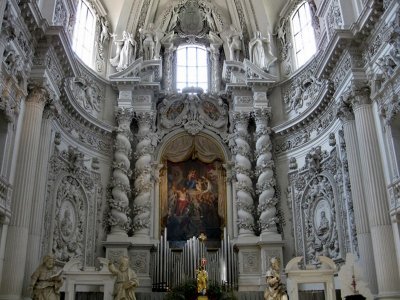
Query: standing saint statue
[
  {"x": 126, "y": 280},
  {"x": 260, "y": 51},
  {"x": 202, "y": 278},
  {"x": 234, "y": 39},
  {"x": 151, "y": 41},
  {"x": 46, "y": 281},
  {"x": 126, "y": 52},
  {"x": 275, "y": 289}
]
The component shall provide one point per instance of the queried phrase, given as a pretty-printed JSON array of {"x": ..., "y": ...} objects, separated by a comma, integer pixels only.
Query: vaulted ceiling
[{"x": 119, "y": 12}]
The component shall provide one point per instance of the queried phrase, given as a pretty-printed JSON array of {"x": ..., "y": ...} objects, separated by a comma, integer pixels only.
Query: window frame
[
  {"x": 303, "y": 36},
  {"x": 189, "y": 66},
  {"x": 83, "y": 45}
]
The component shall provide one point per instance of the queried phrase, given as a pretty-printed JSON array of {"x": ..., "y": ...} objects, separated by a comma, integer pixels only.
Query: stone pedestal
[
  {"x": 140, "y": 259},
  {"x": 139, "y": 253},
  {"x": 249, "y": 264}
]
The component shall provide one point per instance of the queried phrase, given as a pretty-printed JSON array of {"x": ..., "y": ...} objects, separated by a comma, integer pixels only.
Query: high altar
[{"x": 131, "y": 130}]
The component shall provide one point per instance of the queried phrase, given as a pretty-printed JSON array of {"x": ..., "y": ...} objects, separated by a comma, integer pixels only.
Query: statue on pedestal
[
  {"x": 126, "y": 281},
  {"x": 125, "y": 53},
  {"x": 202, "y": 278},
  {"x": 46, "y": 281},
  {"x": 275, "y": 289}
]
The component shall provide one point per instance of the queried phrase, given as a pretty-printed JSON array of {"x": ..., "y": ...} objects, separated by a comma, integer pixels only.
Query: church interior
[{"x": 245, "y": 138}]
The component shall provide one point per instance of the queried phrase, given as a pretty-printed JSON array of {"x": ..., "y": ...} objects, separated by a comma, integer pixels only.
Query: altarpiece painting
[{"x": 193, "y": 190}]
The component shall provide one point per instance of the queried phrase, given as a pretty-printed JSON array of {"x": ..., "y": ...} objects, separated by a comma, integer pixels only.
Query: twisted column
[
  {"x": 264, "y": 170},
  {"x": 243, "y": 172},
  {"x": 119, "y": 204},
  {"x": 21, "y": 206},
  {"x": 387, "y": 272},
  {"x": 143, "y": 174}
]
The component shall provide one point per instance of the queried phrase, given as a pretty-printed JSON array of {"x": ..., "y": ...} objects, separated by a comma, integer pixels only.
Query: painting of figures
[{"x": 192, "y": 201}]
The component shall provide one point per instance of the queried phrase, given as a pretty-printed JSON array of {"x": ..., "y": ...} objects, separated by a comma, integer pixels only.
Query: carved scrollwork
[
  {"x": 194, "y": 112},
  {"x": 70, "y": 225}
]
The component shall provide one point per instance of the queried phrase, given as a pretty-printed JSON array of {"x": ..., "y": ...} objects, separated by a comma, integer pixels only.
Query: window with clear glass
[
  {"x": 84, "y": 32},
  {"x": 303, "y": 34},
  {"x": 191, "y": 67}
]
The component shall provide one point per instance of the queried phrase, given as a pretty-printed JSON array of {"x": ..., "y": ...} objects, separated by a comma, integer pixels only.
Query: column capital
[
  {"x": 344, "y": 110},
  {"x": 240, "y": 117},
  {"x": 360, "y": 93},
  {"x": 262, "y": 115},
  {"x": 37, "y": 94},
  {"x": 145, "y": 117},
  {"x": 124, "y": 115}
]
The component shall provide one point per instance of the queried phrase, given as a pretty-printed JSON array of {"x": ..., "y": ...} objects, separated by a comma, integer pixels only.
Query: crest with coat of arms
[{"x": 191, "y": 18}]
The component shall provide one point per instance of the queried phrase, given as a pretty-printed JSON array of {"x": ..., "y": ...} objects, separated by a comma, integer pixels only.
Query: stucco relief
[
  {"x": 194, "y": 112},
  {"x": 69, "y": 229},
  {"x": 316, "y": 194},
  {"x": 73, "y": 208},
  {"x": 86, "y": 93},
  {"x": 251, "y": 262}
]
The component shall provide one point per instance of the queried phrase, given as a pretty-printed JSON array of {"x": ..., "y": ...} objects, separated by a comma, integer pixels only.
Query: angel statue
[
  {"x": 105, "y": 30},
  {"x": 125, "y": 53}
]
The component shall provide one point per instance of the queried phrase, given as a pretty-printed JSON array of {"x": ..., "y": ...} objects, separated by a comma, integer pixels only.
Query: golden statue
[{"x": 202, "y": 278}]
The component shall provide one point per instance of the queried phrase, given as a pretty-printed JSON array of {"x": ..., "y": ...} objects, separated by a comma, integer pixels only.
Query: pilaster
[
  {"x": 39, "y": 195},
  {"x": 17, "y": 238},
  {"x": 376, "y": 198},
  {"x": 366, "y": 260}
]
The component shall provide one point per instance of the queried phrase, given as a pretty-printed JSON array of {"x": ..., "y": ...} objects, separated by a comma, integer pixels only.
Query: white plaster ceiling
[{"x": 118, "y": 10}]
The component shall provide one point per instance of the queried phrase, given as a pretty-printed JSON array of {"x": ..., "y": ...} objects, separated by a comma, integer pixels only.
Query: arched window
[
  {"x": 303, "y": 34},
  {"x": 191, "y": 67},
  {"x": 84, "y": 33}
]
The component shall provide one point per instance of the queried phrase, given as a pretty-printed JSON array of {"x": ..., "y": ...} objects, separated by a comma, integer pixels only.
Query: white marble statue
[
  {"x": 174, "y": 18},
  {"x": 105, "y": 30},
  {"x": 151, "y": 41},
  {"x": 234, "y": 39},
  {"x": 46, "y": 281},
  {"x": 126, "y": 52},
  {"x": 260, "y": 51}
]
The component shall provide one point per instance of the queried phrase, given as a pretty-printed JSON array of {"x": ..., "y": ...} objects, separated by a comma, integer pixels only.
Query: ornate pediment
[{"x": 193, "y": 112}]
